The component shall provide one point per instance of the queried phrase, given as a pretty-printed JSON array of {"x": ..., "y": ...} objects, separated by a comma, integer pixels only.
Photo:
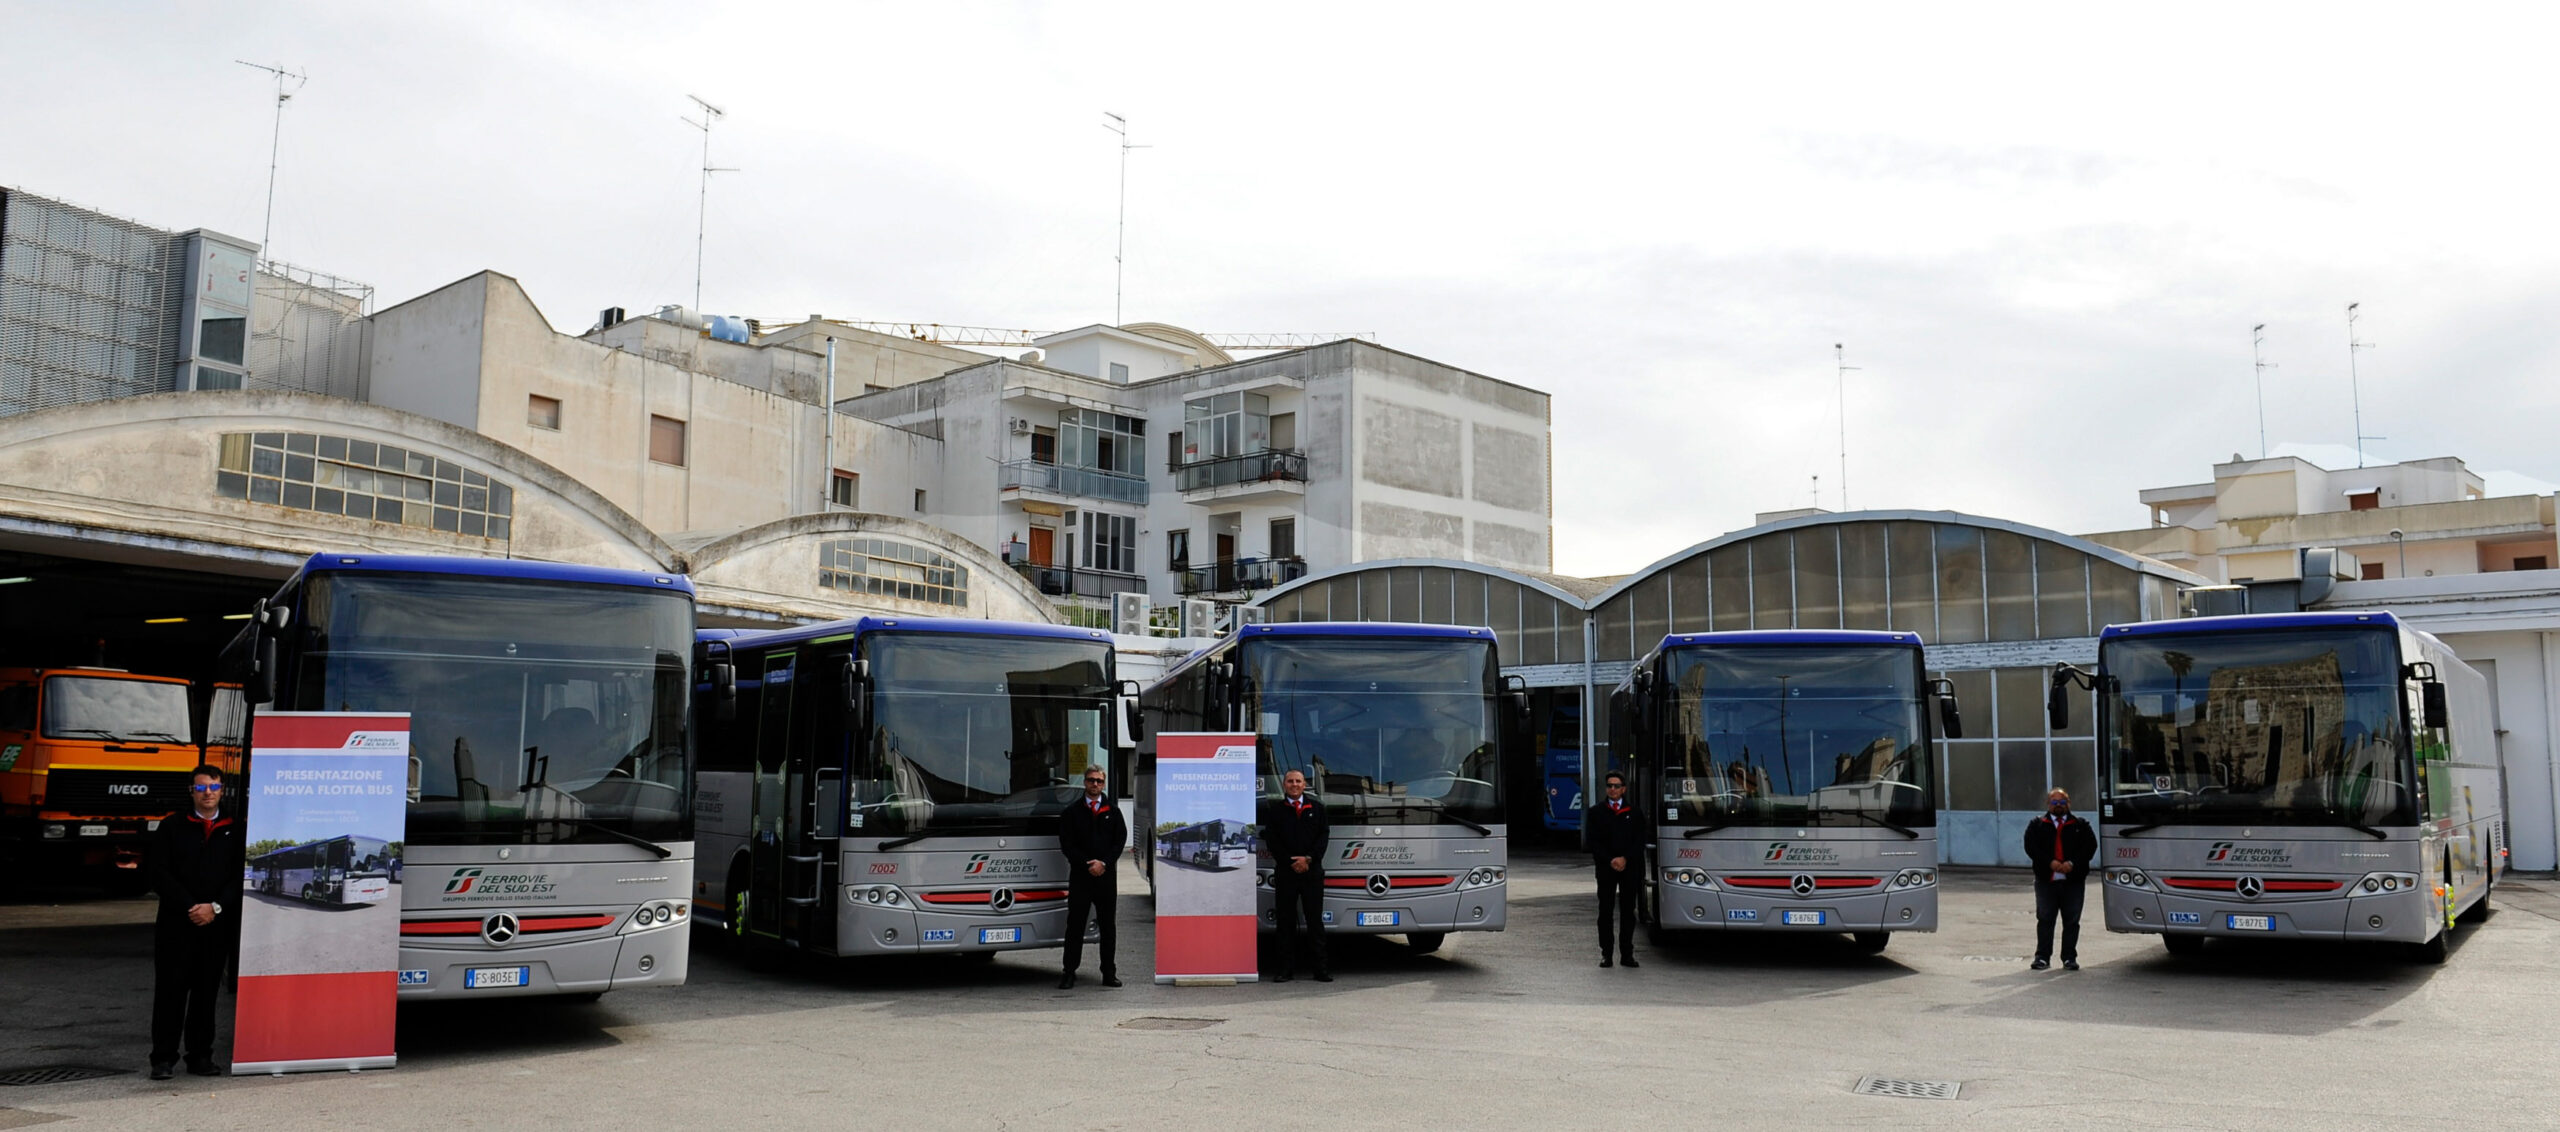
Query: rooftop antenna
[
  {"x": 275, "y": 143},
  {"x": 1840, "y": 355},
  {"x": 1120, "y": 244},
  {"x": 2259, "y": 367},
  {"x": 2355, "y": 390},
  {"x": 702, "y": 205},
  {"x": 1817, "y": 491}
]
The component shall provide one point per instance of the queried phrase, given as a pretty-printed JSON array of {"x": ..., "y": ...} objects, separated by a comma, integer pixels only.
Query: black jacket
[
  {"x": 1614, "y": 834},
  {"x": 195, "y": 862},
  {"x": 1084, "y": 835},
  {"x": 2079, "y": 847},
  {"x": 1296, "y": 832}
]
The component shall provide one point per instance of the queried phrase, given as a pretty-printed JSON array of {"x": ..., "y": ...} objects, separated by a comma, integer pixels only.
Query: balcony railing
[
  {"x": 1070, "y": 480},
  {"x": 1242, "y": 575},
  {"x": 1078, "y": 581},
  {"x": 1268, "y": 465}
]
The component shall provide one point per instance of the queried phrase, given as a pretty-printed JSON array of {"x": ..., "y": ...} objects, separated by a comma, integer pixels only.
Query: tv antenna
[
  {"x": 275, "y": 143},
  {"x": 702, "y": 204},
  {"x": 2354, "y": 389},
  {"x": 1120, "y": 243},
  {"x": 1840, "y": 355},
  {"x": 2258, "y": 367}
]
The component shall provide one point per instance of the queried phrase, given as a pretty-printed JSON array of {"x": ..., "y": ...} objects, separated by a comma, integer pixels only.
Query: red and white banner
[
  {"x": 1203, "y": 845},
  {"x": 328, "y": 810}
]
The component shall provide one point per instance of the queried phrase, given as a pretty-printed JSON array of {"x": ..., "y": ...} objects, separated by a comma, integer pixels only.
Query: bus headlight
[
  {"x": 56, "y": 831},
  {"x": 871, "y": 895},
  {"x": 2387, "y": 882},
  {"x": 1915, "y": 878},
  {"x": 644, "y": 917},
  {"x": 2128, "y": 878},
  {"x": 666, "y": 915}
]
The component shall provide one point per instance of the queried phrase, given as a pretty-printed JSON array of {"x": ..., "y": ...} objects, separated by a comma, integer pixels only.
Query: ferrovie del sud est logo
[
  {"x": 2226, "y": 853},
  {"x": 988, "y": 865},
  {"x": 1789, "y": 853},
  {"x": 477, "y": 884},
  {"x": 1367, "y": 854}
]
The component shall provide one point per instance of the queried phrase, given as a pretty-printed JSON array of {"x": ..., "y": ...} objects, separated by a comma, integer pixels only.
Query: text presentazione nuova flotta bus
[
  {"x": 1401, "y": 731},
  {"x": 1788, "y": 781},
  {"x": 549, "y": 841}
]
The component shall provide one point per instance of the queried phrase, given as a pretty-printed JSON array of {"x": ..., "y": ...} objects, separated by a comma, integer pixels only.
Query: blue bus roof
[
  {"x": 1794, "y": 637},
  {"x": 494, "y": 568},
  {"x": 856, "y": 626},
  {"x": 2249, "y": 622},
  {"x": 1318, "y": 629}
]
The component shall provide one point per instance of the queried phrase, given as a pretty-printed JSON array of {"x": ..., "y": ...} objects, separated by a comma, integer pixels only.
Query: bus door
[
  {"x": 813, "y": 800},
  {"x": 769, "y": 796}
]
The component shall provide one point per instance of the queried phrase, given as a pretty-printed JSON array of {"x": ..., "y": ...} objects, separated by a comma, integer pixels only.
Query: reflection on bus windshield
[
  {"x": 2285, "y": 727},
  {"x": 977, "y": 732},
  {"x": 1394, "y": 731},
  {"x": 1788, "y": 734}
]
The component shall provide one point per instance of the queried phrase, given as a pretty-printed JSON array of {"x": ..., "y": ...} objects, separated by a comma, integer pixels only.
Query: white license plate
[
  {"x": 477, "y": 978},
  {"x": 93, "y": 831},
  {"x": 1805, "y": 919},
  {"x": 2250, "y": 923},
  {"x": 999, "y": 935},
  {"x": 1377, "y": 919}
]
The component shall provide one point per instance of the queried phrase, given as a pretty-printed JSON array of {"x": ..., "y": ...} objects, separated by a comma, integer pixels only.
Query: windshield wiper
[
  {"x": 589, "y": 823},
  {"x": 100, "y": 732},
  {"x": 1904, "y": 830},
  {"x": 2130, "y": 830},
  {"x": 951, "y": 831},
  {"x": 2367, "y": 830},
  {"x": 162, "y": 736},
  {"x": 1481, "y": 830}
]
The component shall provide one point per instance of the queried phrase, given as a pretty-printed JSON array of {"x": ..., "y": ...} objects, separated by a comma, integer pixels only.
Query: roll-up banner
[
  {"x": 328, "y": 809},
  {"x": 1203, "y": 845}
]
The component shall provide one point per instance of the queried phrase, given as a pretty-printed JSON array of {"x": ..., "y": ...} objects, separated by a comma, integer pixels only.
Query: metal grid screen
[{"x": 88, "y": 307}]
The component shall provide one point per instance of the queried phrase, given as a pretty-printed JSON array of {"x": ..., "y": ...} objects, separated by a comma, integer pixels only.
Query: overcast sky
[{"x": 2042, "y": 233}]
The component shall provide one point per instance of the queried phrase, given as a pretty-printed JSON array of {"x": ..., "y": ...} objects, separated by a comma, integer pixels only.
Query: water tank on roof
[
  {"x": 729, "y": 328},
  {"x": 680, "y": 316}
]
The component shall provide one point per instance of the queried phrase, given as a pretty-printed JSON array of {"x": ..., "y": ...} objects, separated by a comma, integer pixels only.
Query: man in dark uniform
[
  {"x": 195, "y": 867},
  {"x": 2060, "y": 845},
  {"x": 1295, "y": 830},
  {"x": 1092, "y": 832},
  {"x": 1617, "y": 861}
]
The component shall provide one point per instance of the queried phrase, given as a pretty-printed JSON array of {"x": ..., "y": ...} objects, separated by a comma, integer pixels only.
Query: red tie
[{"x": 1097, "y": 805}]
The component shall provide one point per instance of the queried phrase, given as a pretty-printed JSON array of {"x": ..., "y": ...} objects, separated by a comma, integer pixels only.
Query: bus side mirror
[
  {"x": 1133, "y": 726},
  {"x": 857, "y": 694},
  {"x": 2057, "y": 703},
  {"x": 1516, "y": 691},
  {"x": 262, "y": 672},
  {"x": 2431, "y": 694},
  {"x": 1950, "y": 723},
  {"x": 724, "y": 691}
]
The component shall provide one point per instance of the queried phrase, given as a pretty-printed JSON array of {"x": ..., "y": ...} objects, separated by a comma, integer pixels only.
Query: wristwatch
[{"x": 217, "y": 907}]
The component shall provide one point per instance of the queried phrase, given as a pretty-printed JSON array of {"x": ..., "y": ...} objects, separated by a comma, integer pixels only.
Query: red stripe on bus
[
  {"x": 1757, "y": 882},
  {"x": 2304, "y": 885},
  {"x": 440, "y": 927},
  {"x": 2211, "y": 884},
  {"x": 565, "y": 923}
]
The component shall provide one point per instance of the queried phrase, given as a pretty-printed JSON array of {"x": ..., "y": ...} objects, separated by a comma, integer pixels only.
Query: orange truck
[{"x": 91, "y": 761}]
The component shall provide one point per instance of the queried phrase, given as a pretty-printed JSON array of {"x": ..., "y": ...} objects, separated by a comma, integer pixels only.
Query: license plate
[
  {"x": 93, "y": 831},
  {"x": 2250, "y": 923},
  {"x": 999, "y": 935},
  {"x": 1377, "y": 919},
  {"x": 477, "y": 978},
  {"x": 1804, "y": 919}
]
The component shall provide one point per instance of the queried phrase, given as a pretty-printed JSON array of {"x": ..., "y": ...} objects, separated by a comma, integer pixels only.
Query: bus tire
[
  {"x": 1424, "y": 943},
  {"x": 2479, "y": 911},
  {"x": 1871, "y": 942},
  {"x": 2182, "y": 943},
  {"x": 2433, "y": 951}
]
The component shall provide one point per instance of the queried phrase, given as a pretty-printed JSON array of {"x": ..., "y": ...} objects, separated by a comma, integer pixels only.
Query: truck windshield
[
  {"x": 1795, "y": 735},
  {"x": 538, "y": 711},
  {"x": 1389, "y": 731},
  {"x": 2297, "y": 727},
  {"x": 104, "y": 707},
  {"x": 974, "y": 733}
]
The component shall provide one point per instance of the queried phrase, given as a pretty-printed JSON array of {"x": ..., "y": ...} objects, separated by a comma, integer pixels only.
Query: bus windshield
[
  {"x": 538, "y": 711},
  {"x": 976, "y": 733},
  {"x": 103, "y": 707},
  {"x": 1791, "y": 735},
  {"x": 2293, "y": 727},
  {"x": 1390, "y": 731}
]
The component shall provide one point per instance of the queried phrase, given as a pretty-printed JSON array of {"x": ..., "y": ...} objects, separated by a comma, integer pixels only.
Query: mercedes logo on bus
[
  {"x": 500, "y": 928},
  {"x": 1801, "y": 884},
  {"x": 1001, "y": 899},
  {"x": 1377, "y": 884},
  {"x": 2249, "y": 888}
]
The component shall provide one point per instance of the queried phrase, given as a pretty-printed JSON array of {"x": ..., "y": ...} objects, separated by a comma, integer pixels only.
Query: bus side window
[{"x": 822, "y": 745}]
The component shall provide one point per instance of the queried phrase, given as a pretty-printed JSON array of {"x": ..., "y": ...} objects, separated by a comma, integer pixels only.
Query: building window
[
  {"x": 223, "y": 340},
  {"x": 666, "y": 440},
  {"x": 1177, "y": 550},
  {"x": 2534, "y": 562},
  {"x": 2370, "y": 571},
  {"x": 2365, "y": 500},
  {"x": 1044, "y": 445},
  {"x": 844, "y": 489},
  {"x": 919, "y": 501},
  {"x": 1173, "y": 452},
  {"x": 1109, "y": 442},
  {"x": 1284, "y": 430},
  {"x": 891, "y": 569},
  {"x": 1229, "y": 424},
  {"x": 362, "y": 479},
  {"x": 1119, "y": 373},
  {"x": 1284, "y": 538},
  {"x": 1111, "y": 542},
  {"x": 542, "y": 412}
]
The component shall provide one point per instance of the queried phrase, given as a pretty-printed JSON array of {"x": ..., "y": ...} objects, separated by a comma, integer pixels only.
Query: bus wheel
[
  {"x": 1871, "y": 942},
  {"x": 1424, "y": 943},
  {"x": 2433, "y": 951},
  {"x": 2478, "y": 912},
  {"x": 2182, "y": 943}
]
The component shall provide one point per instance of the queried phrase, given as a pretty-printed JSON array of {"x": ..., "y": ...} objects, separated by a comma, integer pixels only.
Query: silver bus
[
  {"x": 2324, "y": 776},
  {"x": 549, "y": 756},
  {"x": 339, "y": 870},
  {"x": 1401, "y": 731},
  {"x": 1217, "y": 846},
  {"x": 1786, "y": 778},
  {"x": 889, "y": 786}
]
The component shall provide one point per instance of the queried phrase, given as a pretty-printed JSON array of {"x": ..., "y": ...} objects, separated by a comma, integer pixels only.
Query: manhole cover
[
  {"x": 56, "y": 1074},
  {"x": 1170, "y": 1023},
  {"x": 1897, "y": 1087}
]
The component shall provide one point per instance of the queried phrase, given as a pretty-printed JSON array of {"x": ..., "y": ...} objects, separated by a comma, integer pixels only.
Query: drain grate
[
  {"x": 56, "y": 1074},
  {"x": 1170, "y": 1023},
  {"x": 1918, "y": 1090}
]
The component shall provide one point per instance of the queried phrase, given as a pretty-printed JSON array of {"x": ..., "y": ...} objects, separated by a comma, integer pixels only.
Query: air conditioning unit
[
  {"x": 1019, "y": 426},
  {"x": 1199, "y": 618},
  {"x": 1129, "y": 613},
  {"x": 1251, "y": 615}
]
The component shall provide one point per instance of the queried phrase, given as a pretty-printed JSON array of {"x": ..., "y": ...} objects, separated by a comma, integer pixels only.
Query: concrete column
[{"x": 2550, "y": 733}]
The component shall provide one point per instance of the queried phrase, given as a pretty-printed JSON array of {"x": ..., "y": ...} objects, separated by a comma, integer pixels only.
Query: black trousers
[
  {"x": 1091, "y": 899},
  {"x": 187, "y": 967},
  {"x": 1618, "y": 890},
  {"x": 2064, "y": 898},
  {"x": 1297, "y": 896}
]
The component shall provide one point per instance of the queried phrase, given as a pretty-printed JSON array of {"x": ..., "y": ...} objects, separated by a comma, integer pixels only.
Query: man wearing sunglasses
[
  {"x": 1092, "y": 832},
  {"x": 2061, "y": 845},
  {"x": 195, "y": 867},
  {"x": 1616, "y": 834}
]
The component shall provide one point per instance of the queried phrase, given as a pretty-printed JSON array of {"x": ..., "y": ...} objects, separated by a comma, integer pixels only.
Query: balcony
[
  {"x": 1242, "y": 575},
  {"x": 1062, "y": 483},
  {"x": 1272, "y": 471},
  {"x": 1077, "y": 581}
]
